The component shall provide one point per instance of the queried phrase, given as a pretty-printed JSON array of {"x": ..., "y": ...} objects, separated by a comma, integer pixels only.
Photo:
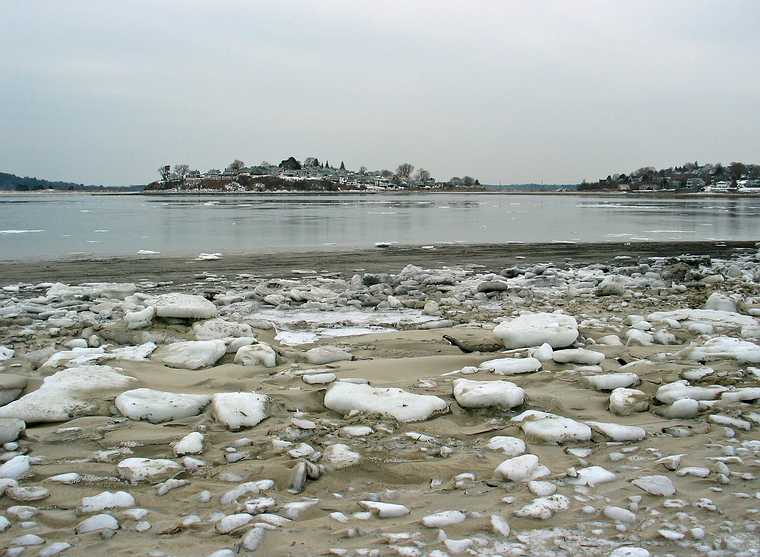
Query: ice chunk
[
  {"x": 345, "y": 397},
  {"x": 256, "y": 355},
  {"x": 184, "y": 306},
  {"x": 159, "y": 406},
  {"x": 555, "y": 429},
  {"x": 511, "y": 366},
  {"x": 68, "y": 394},
  {"x": 141, "y": 469},
  {"x": 655, "y": 485},
  {"x": 534, "y": 329},
  {"x": 193, "y": 354},
  {"x": 238, "y": 410},
  {"x": 484, "y": 394}
]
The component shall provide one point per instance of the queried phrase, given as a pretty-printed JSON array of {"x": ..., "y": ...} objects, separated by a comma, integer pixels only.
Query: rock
[
  {"x": 10, "y": 429},
  {"x": 68, "y": 394},
  {"x": 184, "y": 306},
  {"x": 140, "y": 319},
  {"x": 519, "y": 469},
  {"x": 384, "y": 510},
  {"x": 534, "y": 329},
  {"x": 256, "y": 355},
  {"x": 192, "y": 443},
  {"x": 655, "y": 485},
  {"x": 340, "y": 456},
  {"x": 136, "y": 470},
  {"x": 484, "y": 394},
  {"x": 493, "y": 286},
  {"x": 326, "y": 355},
  {"x": 97, "y": 523},
  {"x": 511, "y": 366},
  {"x": 618, "y": 432},
  {"x": 555, "y": 429},
  {"x": 239, "y": 410},
  {"x": 624, "y": 402},
  {"x": 11, "y": 386},
  {"x": 345, "y": 397},
  {"x": 159, "y": 406},
  {"x": 578, "y": 356},
  {"x": 214, "y": 329},
  {"x": 193, "y": 354},
  {"x": 611, "y": 381},
  {"x": 510, "y": 446}
]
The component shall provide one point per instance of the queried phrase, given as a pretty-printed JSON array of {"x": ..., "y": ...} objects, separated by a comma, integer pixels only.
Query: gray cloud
[{"x": 104, "y": 92}]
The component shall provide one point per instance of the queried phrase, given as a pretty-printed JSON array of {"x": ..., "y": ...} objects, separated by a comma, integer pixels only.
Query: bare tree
[
  {"x": 181, "y": 170},
  {"x": 468, "y": 181},
  {"x": 236, "y": 166},
  {"x": 405, "y": 170},
  {"x": 363, "y": 170},
  {"x": 422, "y": 175},
  {"x": 165, "y": 171},
  {"x": 386, "y": 173}
]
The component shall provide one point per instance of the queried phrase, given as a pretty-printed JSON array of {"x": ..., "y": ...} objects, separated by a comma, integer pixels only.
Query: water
[{"x": 42, "y": 226}]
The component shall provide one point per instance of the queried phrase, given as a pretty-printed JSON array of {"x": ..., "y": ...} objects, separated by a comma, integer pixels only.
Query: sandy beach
[{"x": 638, "y": 412}]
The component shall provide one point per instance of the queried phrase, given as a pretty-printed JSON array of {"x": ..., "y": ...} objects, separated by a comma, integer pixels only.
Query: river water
[{"x": 51, "y": 226}]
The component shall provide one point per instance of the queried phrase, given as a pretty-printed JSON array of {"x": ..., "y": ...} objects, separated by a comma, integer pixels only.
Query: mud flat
[
  {"x": 390, "y": 259},
  {"x": 532, "y": 400}
]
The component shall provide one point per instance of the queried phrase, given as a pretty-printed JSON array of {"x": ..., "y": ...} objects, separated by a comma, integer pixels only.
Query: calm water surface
[{"x": 42, "y": 226}]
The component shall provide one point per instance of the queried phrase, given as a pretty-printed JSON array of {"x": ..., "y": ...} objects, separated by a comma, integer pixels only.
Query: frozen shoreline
[
  {"x": 601, "y": 403},
  {"x": 284, "y": 263}
]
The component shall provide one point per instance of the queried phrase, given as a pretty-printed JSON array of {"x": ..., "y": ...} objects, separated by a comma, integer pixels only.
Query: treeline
[{"x": 11, "y": 182}]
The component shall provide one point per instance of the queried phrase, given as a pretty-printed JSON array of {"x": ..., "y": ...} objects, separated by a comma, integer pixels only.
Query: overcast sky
[{"x": 104, "y": 92}]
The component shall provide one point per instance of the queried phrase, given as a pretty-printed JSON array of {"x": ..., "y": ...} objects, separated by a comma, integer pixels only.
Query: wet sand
[{"x": 282, "y": 264}]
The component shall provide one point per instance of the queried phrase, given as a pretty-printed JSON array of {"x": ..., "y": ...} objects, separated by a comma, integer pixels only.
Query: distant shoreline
[{"x": 610, "y": 194}]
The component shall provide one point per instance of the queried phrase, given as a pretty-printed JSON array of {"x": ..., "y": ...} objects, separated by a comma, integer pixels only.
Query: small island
[{"x": 292, "y": 175}]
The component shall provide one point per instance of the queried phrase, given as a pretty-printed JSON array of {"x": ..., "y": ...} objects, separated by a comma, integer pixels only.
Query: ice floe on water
[{"x": 21, "y": 231}]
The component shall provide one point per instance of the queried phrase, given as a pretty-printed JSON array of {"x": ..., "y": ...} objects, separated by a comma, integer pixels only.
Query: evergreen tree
[{"x": 342, "y": 166}]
